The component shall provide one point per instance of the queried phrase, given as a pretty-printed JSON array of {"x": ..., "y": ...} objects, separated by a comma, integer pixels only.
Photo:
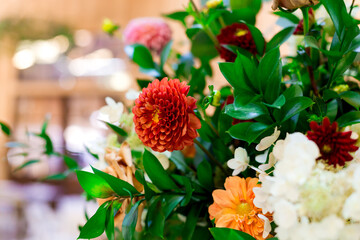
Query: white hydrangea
[{"x": 307, "y": 200}]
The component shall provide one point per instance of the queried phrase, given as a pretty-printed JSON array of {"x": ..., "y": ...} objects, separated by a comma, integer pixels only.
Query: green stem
[
  {"x": 351, "y": 7},
  {"x": 206, "y": 29},
  {"x": 211, "y": 157},
  {"x": 305, "y": 12}
]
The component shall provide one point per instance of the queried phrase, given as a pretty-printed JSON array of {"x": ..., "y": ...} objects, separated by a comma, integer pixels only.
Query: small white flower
[
  {"x": 240, "y": 161},
  {"x": 266, "y": 142},
  {"x": 285, "y": 214},
  {"x": 267, "y": 226},
  {"x": 352, "y": 207},
  {"x": 112, "y": 112}
]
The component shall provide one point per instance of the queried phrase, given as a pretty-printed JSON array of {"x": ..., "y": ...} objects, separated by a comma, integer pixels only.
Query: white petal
[
  {"x": 267, "y": 226},
  {"x": 241, "y": 155},
  {"x": 233, "y": 163},
  {"x": 109, "y": 101},
  {"x": 236, "y": 172},
  {"x": 132, "y": 94},
  {"x": 266, "y": 142}
]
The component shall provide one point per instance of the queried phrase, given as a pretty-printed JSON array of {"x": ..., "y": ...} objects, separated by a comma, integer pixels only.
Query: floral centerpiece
[{"x": 273, "y": 155}]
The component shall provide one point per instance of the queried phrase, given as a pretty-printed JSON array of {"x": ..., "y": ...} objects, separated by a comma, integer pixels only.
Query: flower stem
[
  {"x": 211, "y": 157},
  {"x": 305, "y": 12}
]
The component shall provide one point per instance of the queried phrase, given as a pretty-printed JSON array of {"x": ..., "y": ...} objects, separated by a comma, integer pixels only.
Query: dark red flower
[
  {"x": 334, "y": 145},
  {"x": 237, "y": 34},
  {"x": 300, "y": 27},
  {"x": 164, "y": 116}
]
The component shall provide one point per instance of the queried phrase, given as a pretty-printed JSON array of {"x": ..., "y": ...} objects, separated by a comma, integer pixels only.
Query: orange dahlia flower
[
  {"x": 164, "y": 116},
  {"x": 234, "y": 208}
]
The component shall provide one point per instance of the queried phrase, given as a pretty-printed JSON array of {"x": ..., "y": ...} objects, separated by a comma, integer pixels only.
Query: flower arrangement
[{"x": 277, "y": 157}]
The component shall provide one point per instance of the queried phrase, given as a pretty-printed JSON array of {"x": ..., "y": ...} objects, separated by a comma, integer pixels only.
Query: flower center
[
  {"x": 241, "y": 32},
  {"x": 243, "y": 209},
  {"x": 326, "y": 148},
  {"x": 155, "y": 117}
]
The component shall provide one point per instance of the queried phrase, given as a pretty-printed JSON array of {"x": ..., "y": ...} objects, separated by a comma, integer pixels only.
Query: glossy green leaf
[
  {"x": 94, "y": 185},
  {"x": 45, "y": 124},
  {"x": 116, "y": 184},
  {"x": 332, "y": 110},
  {"x": 293, "y": 91},
  {"x": 250, "y": 111},
  {"x": 349, "y": 118},
  {"x": 248, "y": 131},
  {"x": 70, "y": 162},
  {"x": 157, "y": 173},
  {"x": 258, "y": 38},
  {"x": 130, "y": 220},
  {"x": 27, "y": 163},
  {"x": 294, "y": 106},
  {"x": 49, "y": 148},
  {"x": 279, "y": 102},
  {"x": 143, "y": 83},
  {"x": 205, "y": 174},
  {"x": 338, "y": 13},
  {"x": 142, "y": 57},
  {"x": 228, "y": 233},
  {"x": 280, "y": 38},
  {"x": 95, "y": 226},
  {"x": 311, "y": 41},
  {"x": 117, "y": 129},
  {"x": 57, "y": 176},
  {"x": 5, "y": 128},
  {"x": 352, "y": 98}
]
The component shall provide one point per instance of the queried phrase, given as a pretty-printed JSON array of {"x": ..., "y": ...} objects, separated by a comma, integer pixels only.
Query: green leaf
[
  {"x": 143, "y": 83},
  {"x": 228, "y": 233},
  {"x": 179, "y": 16},
  {"x": 249, "y": 111},
  {"x": 57, "y": 176},
  {"x": 338, "y": 13},
  {"x": 188, "y": 190},
  {"x": 130, "y": 220},
  {"x": 294, "y": 106},
  {"x": 289, "y": 16},
  {"x": 142, "y": 56},
  {"x": 332, "y": 110},
  {"x": 94, "y": 185},
  {"x": 116, "y": 184},
  {"x": 45, "y": 124},
  {"x": 203, "y": 47},
  {"x": 352, "y": 98},
  {"x": 349, "y": 118},
  {"x": 191, "y": 220},
  {"x": 170, "y": 203},
  {"x": 248, "y": 131},
  {"x": 70, "y": 162},
  {"x": 258, "y": 39},
  {"x": 311, "y": 41},
  {"x": 157, "y": 173},
  {"x": 109, "y": 222},
  {"x": 269, "y": 75},
  {"x": 96, "y": 224},
  {"x": 293, "y": 91},
  {"x": 49, "y": 149},
  {"x": 139, "y": 175},
  {"x": 30, "y": 162},
  {"x": 280, "y": 38},
  {"x": 117, "y": 129},
  {"x": 92, "y": 154},
  {"x": 279, "y": 102},
  {"x": 5, "y": 128},
  {"x": 205, "y": 174},
  {"x": 155, "y": 218},
  {"x": 165, "y": 53}
]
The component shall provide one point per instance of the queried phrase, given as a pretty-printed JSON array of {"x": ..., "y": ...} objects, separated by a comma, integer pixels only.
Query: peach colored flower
[
  {"x": 164, "y": 116},
  {"x": 121, "y": 166},
  {"x": 234, "y": 208},
  {"x": 153, "y": 33}
]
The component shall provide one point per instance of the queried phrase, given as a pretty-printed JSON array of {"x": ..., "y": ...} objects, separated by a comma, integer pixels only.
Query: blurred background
[{"x": 56, "y": 62}]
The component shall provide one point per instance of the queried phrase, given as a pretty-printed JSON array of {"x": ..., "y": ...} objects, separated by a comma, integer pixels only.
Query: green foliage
[
  {"x": 228, "y": 233},
  {"x": 129, "y": 223},
  {"x": 5, "y": 128},
  {"x": 117, "y": 129},
  {"x": 94, "y": 185}
]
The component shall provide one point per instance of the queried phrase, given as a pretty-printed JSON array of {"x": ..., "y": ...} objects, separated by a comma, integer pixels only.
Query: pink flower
[{"x": 153, "y": 33}]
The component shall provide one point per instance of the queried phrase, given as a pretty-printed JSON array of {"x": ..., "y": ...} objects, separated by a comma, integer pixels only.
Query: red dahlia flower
[
  {"x": 237, "y": 34},
  {"x": 164, "y": 116},
  {"x": 334, "y": 145}
]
